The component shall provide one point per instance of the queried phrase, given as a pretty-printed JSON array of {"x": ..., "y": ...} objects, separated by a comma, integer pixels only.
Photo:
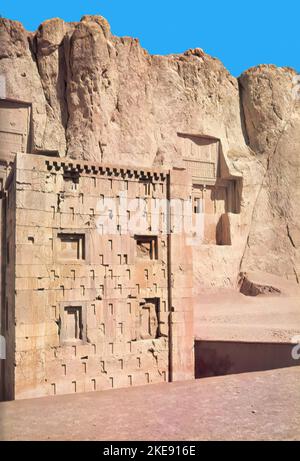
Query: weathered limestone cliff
[
  {"x": 272, "y": 116},
  {"x": 103, "y": 98}
]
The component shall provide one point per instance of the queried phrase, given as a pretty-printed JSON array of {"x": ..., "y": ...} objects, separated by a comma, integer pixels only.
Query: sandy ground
[
  {"x": 252, "y": 406},
  {"x": 229, "y": 315}
]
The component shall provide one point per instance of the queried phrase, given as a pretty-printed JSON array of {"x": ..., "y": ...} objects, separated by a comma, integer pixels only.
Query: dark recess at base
[{"x": 216, "y": 358}]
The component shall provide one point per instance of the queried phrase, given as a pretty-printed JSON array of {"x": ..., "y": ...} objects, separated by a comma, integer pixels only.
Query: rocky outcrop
[
  {"x": 250, "y": 285},
  {"x": 263, "y": 283},
  {"x": 104, "y": 98},
  {"x": 272, "y": 117}
]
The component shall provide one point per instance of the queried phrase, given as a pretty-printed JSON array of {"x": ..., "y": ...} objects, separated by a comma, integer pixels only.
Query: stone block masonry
[{"x": 89, "y": 306}]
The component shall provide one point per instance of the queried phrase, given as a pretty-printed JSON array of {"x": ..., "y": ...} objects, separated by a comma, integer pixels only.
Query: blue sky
[{"x": 240, "y": 34}]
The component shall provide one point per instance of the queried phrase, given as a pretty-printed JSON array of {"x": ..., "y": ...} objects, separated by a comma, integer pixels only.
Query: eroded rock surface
[
  {"x": 254, "y": 287},
  {"x": 273, "y": 125}
]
